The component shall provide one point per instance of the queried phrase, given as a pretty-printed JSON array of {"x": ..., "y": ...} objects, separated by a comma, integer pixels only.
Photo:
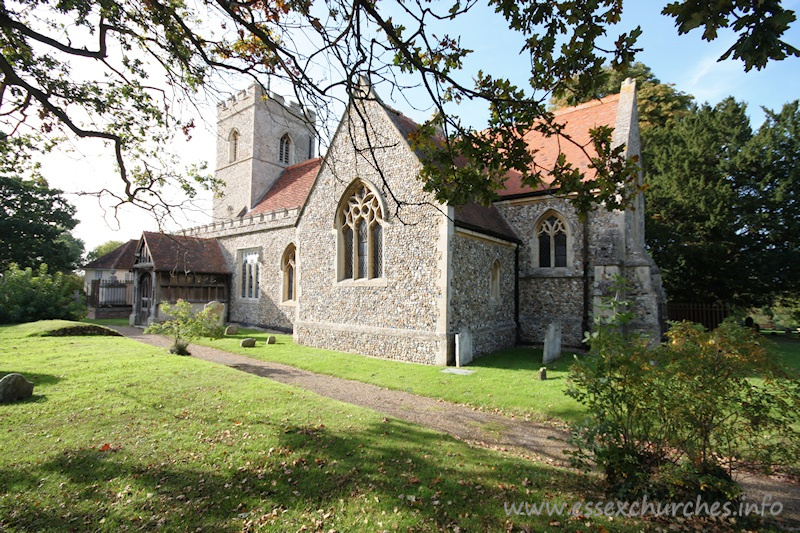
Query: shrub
[
  {"x": 185, "y": 325},
  {"x": 675, "y": 420},
  {"x": 29, "y": 295}
]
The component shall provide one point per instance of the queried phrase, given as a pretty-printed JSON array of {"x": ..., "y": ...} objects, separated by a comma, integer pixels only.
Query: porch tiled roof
[{"x": 185, "y": 254}]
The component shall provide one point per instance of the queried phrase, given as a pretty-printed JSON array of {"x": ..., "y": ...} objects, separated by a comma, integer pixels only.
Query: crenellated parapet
[{"x": 247, "y": 224}]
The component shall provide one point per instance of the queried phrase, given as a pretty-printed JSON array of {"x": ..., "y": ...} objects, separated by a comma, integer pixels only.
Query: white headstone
[
  {"x": 463, "y": 347},
  {"x": 552, "y": 343}
]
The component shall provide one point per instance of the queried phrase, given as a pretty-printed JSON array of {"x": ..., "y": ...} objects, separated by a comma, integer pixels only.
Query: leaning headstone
[
  {"x": 552, "y": 343},
  {"x": 543, "y": 373},
  {"x": 231, "y": 330},
  {"x": 15, "y": 387},
  {"x": 249, "y": 342},
  {"x": 271, "y": 339},
  {"x": 218, "y": 309}
]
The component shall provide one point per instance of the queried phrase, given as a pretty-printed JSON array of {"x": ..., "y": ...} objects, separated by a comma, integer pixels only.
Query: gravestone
[
  {"x": 271, "y": 339},
  {"x": 218, "y": 308},
  {"x": 15, "y": 387},
  {"x": 552, "y": 343},
  {"x": 543, "y": 373},
  {"x": 464, "y": 353},
  {"x": 231, "y": 330},
  {"x": 249, "y": 342}
]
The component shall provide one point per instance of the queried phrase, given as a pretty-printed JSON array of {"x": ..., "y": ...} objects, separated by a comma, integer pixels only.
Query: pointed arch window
[
  {"x": 552, "y": 237},
  {"x": 494, "y": 282},
  {"x": 360, "y": 225},
  {"x": 285, "y": 149},
  {"x": 289, "y": 268},
  {"x": 233, "y": 146}
]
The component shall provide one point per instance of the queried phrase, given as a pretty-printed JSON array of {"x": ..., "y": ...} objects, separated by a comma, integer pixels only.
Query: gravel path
[{"x": 536, "y": 441}]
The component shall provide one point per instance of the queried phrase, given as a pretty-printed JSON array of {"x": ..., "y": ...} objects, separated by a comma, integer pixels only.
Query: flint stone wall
[
  {"x": 489, "y": 321},
  {"x": 397, "y": 316},
  {"x": 268, "y": 310},
  {"x": 550, "y": 294}
]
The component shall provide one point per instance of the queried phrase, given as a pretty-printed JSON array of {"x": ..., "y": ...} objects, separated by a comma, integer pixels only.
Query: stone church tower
[{"x": 258, "y": 136}]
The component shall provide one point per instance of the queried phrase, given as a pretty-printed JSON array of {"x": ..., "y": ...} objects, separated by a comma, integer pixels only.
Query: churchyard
[
  {"x": 505, "y": 382},
  {"x": 120, "y": 435}
]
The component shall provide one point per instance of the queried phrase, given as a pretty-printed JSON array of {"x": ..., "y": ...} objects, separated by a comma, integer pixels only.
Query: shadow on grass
[
  {"x": 390, "y": 471},
  {"x": 522, "y": 358},
  {"x": 36, "y": 379},
  {"x": 267, "y": 372}
]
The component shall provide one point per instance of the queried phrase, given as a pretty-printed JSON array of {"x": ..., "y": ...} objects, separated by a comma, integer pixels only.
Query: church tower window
[
  {"x": 233, "y": 146},
  {"x": 285, "y": 149},
  {"x": 552, "y": 238},
  {"x": 360, "y": 227}
]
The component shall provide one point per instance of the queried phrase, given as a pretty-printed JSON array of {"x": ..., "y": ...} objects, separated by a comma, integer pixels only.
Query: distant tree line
[{"x": 722, "y": 199}]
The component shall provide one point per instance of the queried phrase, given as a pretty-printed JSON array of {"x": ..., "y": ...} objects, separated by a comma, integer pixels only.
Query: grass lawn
[
  {"x": 506, "y": 382},
  {"x": 788, "y": 349},
  {"x": 120, "y": 435}
]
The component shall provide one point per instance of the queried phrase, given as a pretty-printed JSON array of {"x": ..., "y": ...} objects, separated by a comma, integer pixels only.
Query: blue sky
[{"x": 686, "y": 61}]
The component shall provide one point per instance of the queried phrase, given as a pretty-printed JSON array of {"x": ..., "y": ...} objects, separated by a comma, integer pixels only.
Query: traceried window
[
  {"x": 360, "y": 224},
  {"x": 285, "y": 149},
  {"x": 494, "y": 282},
  {"x": 251, "y": 270},
  {"x": 289, "y": 268},
  {"x": 233, "y": 146},
  {"x": 552, "y": 235}
]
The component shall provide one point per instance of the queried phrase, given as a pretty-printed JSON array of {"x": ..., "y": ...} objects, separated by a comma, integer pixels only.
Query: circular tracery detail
[{"x": 362, "y": 235}]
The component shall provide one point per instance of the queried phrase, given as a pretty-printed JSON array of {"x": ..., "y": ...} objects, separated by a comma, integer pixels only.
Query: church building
[{"x": 349, "y": 253}]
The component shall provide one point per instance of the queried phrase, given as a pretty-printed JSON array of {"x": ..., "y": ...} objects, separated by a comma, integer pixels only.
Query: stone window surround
[
  {"x": 567, "y": 271},
  {"x": 339, "y": 267},
  {"x": 289, "y": 260},
  {"x": 233, "y": 146},
  {"x": 494, "y": 282},
  {"x": 253, "y": 256},
  {"x": 285, "y": 149}
]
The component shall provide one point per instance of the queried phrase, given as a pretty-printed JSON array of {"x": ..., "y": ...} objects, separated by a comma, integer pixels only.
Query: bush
[
  {"x": 29, "y": 295},
  {"x": 675, "y": 420},
  {"x": 186, "y": 325}
]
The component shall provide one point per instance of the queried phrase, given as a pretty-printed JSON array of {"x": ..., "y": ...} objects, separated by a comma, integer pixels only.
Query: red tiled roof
[
  {"x": 120, "y": 258},
  {"x": 185, "y": 254},
  {"x": 577, "y": 122},
  {"x": 290, "y": 189}
]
